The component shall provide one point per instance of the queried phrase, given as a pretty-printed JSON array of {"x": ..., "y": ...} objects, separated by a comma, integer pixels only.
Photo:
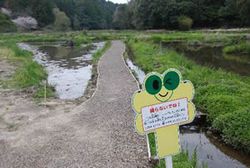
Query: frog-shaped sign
[{"x": 163, "y": 104}]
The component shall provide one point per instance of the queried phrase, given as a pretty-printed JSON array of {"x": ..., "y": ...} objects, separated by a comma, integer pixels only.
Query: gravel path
[{"x": 98, "y": 133}]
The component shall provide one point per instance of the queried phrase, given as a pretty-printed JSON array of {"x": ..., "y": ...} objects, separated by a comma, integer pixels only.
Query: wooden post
[{"x": 169, "y": 162}]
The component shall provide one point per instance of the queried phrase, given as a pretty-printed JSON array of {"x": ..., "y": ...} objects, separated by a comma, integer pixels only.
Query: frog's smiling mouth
[{"x": 164, "y": 95}]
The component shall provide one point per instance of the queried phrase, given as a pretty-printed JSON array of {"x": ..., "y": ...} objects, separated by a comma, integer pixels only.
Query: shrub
[
  {"x": 185, "y": 23},
  {"x": 235, "y": 128},
  {"x": 6, "y": 25},
  {"x": 62, "y": 22}
]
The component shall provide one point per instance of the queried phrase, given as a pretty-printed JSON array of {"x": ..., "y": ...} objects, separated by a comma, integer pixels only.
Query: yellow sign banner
[{"x": 163, "y": 104}]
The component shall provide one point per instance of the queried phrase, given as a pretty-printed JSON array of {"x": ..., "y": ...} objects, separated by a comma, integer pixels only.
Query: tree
[
  {"x": 230, "y": 13},
  {"x": 62, "y": 22},
  {"x": 2, "y": 3},
  {"x": 68, "y": 7},
  {"x": 42, "y": 11},
  {"x": 6, "y": 25},
  {"x": 120, "y": 18},
  {"x": 244, "y": 11}
]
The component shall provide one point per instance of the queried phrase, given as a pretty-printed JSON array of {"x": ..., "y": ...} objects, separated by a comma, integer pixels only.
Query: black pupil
[{"x": 155, "y": 84}]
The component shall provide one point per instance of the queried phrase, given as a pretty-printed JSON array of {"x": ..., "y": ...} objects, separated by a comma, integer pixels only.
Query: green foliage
[
  {"x": 188, "y": 36},
  {"x": 83, "y": 14},
  {"x": 81, "y": 39},
  {"x": 235, "y": 127},
  {"x": 179, "y": 161},
  {"x": 42, "y": 11},
  {"x": 39, "y": 9},
  {"x": 243, "y": 48},
  {"x": 94, "y": 14},
  {"x": 6, "y": 24},
  {"x": 62, "y": 22},
  {"x": 159, "y": 14},
  {"x": 185, "y": 23},
  {"x": 244, "y": 10},
  {"x": 152, "y": 144},
  {"x": 140, "y": 14},
  {"x": 29, "y": 73},
  {"x": 121, "y": 17},
  {"x": 100, "y": 52},
  {"x": 221, "y": 94},
  {"x": 40, "y": 93}
]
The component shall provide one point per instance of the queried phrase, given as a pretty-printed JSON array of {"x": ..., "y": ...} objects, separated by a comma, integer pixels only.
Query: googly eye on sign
[{"x": 163, "y": 104}]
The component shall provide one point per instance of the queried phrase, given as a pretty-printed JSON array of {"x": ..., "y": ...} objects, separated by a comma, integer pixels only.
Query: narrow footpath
[{"x": 98, "y": 133}]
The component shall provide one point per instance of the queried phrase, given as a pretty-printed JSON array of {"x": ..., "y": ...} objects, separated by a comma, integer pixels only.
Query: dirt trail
[{"x": 98, "y": 133}]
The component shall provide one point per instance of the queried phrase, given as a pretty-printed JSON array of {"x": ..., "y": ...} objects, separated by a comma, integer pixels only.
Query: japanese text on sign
[{"x": 168, "y": 113}]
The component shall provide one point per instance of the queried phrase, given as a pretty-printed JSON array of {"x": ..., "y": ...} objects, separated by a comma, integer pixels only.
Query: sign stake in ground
[{"x": 163, "y": 104}]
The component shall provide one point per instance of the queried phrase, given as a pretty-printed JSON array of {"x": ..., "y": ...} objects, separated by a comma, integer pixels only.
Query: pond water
[
  {"x": 208, "y": 55},
  {"x": 69, "y": 68},
  {"x": 140, "y": 75},
  {"x": 210, "y": 151}
]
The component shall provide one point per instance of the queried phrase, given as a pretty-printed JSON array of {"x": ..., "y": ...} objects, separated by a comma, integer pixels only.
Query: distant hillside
[{"x": 83, "y": 14}]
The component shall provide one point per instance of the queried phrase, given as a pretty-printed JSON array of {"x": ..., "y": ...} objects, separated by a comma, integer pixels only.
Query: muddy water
[
  {"x": 69, "y": 69},
  {"x": 208, "y": 55},
  {"x": 210, "y": 151}
]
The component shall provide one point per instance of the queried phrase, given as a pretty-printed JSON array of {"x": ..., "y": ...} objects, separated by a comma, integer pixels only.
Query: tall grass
[
  {"x": 99, "y": 53},
  {"x": 242, "y": 48},
  {"x": 28, "y": 73}
]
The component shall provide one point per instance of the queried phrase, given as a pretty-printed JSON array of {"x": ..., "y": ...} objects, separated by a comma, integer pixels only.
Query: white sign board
[{"x": 165, "y": 114}]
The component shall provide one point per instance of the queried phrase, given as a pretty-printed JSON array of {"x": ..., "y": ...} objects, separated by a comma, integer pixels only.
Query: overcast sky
[{"x": 119, "y": 1}]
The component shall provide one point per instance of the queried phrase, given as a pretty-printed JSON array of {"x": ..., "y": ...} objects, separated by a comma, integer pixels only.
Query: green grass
[
  {"x": 199, "y": 37},
  {"x": 181, "y": 160},
  {"x": 40, "y": 93},
  {"x": 242, "y": 48},
  {"x": 177, "y": 36},
  {"x": 77, "y": 37},
  {"x": 28, "y": 72},
  {"x": 99, "y": 53},
  {"x": 224, "y": 96}
]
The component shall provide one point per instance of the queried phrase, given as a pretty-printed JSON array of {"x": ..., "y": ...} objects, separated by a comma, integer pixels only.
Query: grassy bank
[
  {"x": 224, "y": 96},
  {"x": 242, "y": 48},
  {"x": 99, "y": 53},
  {"x": 199, "y": 37},
  {"x": 28, "y": 73}
]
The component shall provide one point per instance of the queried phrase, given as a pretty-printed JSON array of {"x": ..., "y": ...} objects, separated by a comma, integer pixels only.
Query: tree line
[
  {"x": 81, "y": 14},
  {"x": 137, "y": 14},
  {"x": 172, "y": 14}
]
